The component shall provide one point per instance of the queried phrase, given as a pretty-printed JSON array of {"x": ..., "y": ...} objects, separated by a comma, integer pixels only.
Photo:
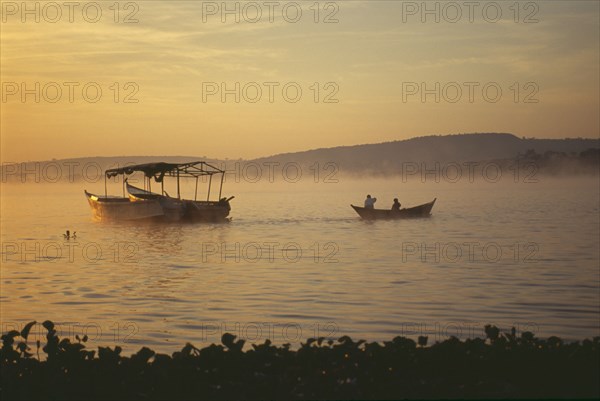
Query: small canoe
[{"x": 382, "y": 214}]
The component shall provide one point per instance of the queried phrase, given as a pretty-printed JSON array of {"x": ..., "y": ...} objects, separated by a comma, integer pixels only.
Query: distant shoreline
[
  {"x": 525, "y": 169},
  {"x": 447, "y": 156}
]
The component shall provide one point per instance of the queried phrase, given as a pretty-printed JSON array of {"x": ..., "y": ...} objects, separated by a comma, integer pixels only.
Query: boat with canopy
[{"x": 145, "y": 204}]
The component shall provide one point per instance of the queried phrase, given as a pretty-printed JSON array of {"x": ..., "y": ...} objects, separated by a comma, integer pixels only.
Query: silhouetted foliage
[{"x": 507, "y": 365}]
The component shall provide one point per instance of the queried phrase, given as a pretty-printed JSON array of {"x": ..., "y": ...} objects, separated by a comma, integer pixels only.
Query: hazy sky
[{"x": 369, "y": 71}]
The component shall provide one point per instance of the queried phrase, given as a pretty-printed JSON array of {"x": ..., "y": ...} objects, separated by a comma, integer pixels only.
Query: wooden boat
[
  {"x": 143, "y": 203},
  {"x": 183, "y": 209},
  {"x": 107, "y": 208},
  {"x": 377, "y": 214},
  {"x": 172, "y": 208}
]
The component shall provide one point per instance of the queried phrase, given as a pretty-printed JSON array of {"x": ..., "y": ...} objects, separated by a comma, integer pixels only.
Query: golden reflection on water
[{"x": 163, "y": 285}]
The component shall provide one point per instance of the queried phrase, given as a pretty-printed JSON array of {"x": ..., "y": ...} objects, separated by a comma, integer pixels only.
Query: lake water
[{"x": 297, "y": 262}]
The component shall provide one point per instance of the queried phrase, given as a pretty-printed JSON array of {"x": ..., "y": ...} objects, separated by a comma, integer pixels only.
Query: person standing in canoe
[
  {"x": 370, "y": 202},
  {"x": 396, "y": 205}
]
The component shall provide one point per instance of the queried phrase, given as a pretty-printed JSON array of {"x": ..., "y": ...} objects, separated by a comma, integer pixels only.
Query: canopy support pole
[
  {"x": 178, "y": 191},
  {"x": 221, "y": 189},
  {"x": 196, "y": 193},
  {"x": 209, "y": 185}
]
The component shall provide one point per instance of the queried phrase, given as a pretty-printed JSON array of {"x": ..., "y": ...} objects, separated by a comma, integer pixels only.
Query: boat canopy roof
[{"x": 160, "y": 169}]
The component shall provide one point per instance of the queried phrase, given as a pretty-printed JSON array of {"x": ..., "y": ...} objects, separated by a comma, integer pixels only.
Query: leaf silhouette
[
  {"x": 13, "y": 334},
  {"x": 143, "y": 355},
  {"x": 26, "y": 329},
  {"x": 48, "y": 325}
]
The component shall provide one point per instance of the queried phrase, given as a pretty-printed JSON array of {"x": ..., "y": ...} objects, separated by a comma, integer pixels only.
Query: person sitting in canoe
[
  {"x": 396, "y": 205},
  {"x": 370, "y": 202}
]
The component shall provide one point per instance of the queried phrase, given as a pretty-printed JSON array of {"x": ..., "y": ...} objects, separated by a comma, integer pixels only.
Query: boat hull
[
  {"x": 382, "y": 214},
  {"x": 120, "y": 209},
  {"x": 182, "y": 209}
]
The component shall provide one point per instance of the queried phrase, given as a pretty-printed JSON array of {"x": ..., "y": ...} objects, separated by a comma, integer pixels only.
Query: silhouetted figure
[
  {"x": 370, "y": 202},
  {"x": 68, "y": 235},
  {"x": 396, "y": 205}
]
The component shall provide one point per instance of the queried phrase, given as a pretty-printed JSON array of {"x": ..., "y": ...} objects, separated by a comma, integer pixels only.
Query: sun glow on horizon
[{"x": 172, "y": 78}]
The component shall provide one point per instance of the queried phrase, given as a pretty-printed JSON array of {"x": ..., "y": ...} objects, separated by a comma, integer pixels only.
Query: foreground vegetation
[{"x": 502, "y": 365}]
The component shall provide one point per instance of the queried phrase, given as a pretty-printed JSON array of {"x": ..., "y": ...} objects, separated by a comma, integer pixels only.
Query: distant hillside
[
  {"x": 389, "y": 156},
  {"x": 381, "y": 158}
]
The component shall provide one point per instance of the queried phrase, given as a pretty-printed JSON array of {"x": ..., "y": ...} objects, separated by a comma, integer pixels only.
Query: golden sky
[{"x": 369, "y": 71}]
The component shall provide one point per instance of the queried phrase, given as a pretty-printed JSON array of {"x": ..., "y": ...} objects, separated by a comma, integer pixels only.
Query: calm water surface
[{"x": 296, "y": 262}]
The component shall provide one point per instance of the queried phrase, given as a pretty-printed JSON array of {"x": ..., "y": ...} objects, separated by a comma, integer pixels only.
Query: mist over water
[{"x": 296, "y": 261}]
